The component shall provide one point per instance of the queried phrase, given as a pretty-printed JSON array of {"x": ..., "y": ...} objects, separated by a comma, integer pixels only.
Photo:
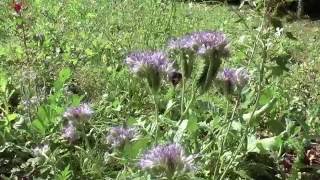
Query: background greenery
[{"x": 61, "y": 53}]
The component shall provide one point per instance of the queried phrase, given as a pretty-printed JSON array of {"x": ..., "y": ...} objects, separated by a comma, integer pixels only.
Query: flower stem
[
  {"x": 261, "y": 75},
  {"x": 156, "y": 111},
  {"x": 182, "y": 97}
]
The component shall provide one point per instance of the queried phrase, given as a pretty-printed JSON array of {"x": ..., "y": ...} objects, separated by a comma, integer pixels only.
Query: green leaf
[
  {"x": 193, "y": 124},
  {"x": 64, "y": 75},
  {"x": 132, "y": 149},
  {"x": 37, "y": 124},
  {"x": 3, "y": 82},
  {"x": 266, "y": 95},
  {"x": 76, "y": 100},
  {"x": 264, "y": 145},
  {"x": 170, "y": 105},
  {"x": 181, "y": 129},
  {"x": 42, "y": 115},
  {"x": 11, "y": 117}
]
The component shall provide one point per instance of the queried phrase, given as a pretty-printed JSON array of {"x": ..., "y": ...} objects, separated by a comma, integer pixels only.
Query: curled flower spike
[
  {"x": 185, "y": 43},
  {"x": 150, "y": 65},
  {"x": 168, "y": 159},
  {"x": 212, "y": 46},
  {"x": 119, "y": 136},
  {"x": 202, "y": 43},
  {"x": 232, "y": 80},
  {"x": 82, "y": 113},
  {"x": 211, "y": 43},
  {"x": 70, "y": 132}
]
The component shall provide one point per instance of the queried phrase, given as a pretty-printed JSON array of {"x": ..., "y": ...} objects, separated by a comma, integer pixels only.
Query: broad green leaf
[
  {"x": 64, "y": 75},
  {"x": 42, "y": 115},
  {"x": 37, "y": 124},
  {"x": 132, "y": 149}
]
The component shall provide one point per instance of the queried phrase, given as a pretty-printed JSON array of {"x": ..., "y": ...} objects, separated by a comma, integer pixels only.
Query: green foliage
[{"x": 59, "y": 54}]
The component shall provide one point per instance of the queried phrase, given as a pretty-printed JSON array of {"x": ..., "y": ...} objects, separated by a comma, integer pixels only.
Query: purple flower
[
  {"x": 70, "y": 132},
  {"x": 82, "y": 112},
  {"x": 143, "y": 63},
  {"x": 211, "y": 42},
  {"x": 186, "y": 43},
  {"x": 118, "y": 136},
  {"x": 169, "y": 158},
  {"x": 232, "y": 79},
  {"x": 202, "y": 43},
  {"x": 150, "y": 65}
]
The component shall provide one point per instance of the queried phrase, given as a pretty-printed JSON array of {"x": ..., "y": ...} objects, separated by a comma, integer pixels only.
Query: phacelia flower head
[
  {"x": 232, "y": 80},
  {"x": 82, "y": 112},
  {"x": 119, "y": 136},
  {"x": 168, "y": 159},
  {"x": 202, "y": 43},
  {"x": 150, "y": 65},
  {"x": 184, "y": 43},
  {"x": 211, "y": 43},
  {"x": 70, "y": 132}
]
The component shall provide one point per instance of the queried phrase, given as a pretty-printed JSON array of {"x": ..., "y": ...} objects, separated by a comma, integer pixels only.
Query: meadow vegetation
[{"x": 158, "y": 89}]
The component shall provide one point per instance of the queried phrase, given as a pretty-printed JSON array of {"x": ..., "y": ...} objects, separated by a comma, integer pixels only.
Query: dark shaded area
[
  {"x": 311, "y": 8},
  {"x": 260, "y": 166}
]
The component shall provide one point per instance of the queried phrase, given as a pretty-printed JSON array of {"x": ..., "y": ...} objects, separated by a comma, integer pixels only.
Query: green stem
[
  {"x": 156, "y": 110},
  {"x": 261, "y": 75},
  {"x": 182, "y": 98},
  {"x": 248, "y": 122},
  {"x": 227, "y": 132}
]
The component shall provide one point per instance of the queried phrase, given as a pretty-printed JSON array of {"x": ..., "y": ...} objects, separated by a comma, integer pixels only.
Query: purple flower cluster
[
  {"x": 202, "y": 43},
  {"x": 118, "y": 136},
  {"x": 82, "y": 113},
  {"x": 232, "y": 79},
  {"x": 152, "y": 66},
  {"x": 75, "y": 116},
  {"x": 144, "y": 63},
  {"x": 169, "y": 159},
  {"x": 70, "y": 132}
]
